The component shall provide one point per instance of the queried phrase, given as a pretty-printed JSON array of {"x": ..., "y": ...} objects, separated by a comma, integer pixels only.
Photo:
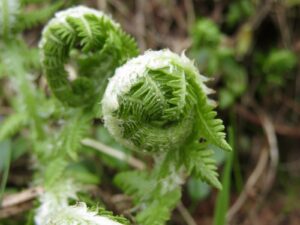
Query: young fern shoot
[
  {"x": 158, "y": 103},
  {"x": 94, "y": 43},
  {"x": 55, "y": 208}
]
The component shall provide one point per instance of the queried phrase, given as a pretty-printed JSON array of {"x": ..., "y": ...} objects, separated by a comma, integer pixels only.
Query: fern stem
[{"x": 134, "y": 162}]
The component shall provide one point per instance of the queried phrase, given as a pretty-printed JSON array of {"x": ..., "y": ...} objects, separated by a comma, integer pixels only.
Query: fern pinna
[
  {"x": 158, "y": 103},
  {"x": 91, "y": 41}
]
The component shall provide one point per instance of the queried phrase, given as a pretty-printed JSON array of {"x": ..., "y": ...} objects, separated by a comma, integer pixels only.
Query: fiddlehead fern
[
  {"x": 158, "y": 102},
  {"x": 97, "y": 45}
]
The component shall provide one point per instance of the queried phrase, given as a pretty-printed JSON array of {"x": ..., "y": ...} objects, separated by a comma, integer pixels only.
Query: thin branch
[
  {"x": 252, "y": 180},
  {"x": 263, "y": 10},
  {"x": 21, "y": 197},
  {"x": 273, "y": 151},
  {"x": 280, "y": 128},
  {"x": 190, "y": 11},
  {"x": 15, "y": 210},
  {"x": 134, "y": 162},
  {"x": 102, "y": 5},
  {"x": 185, "y": 214},
  {"x": 14, "y": 204},
  {"x": 140, "y": 23}
]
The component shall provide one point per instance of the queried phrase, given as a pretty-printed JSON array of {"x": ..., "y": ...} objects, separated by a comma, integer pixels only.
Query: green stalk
[
  {"x": 224, "y": 195},
  {"x": 5, "y": 151}
]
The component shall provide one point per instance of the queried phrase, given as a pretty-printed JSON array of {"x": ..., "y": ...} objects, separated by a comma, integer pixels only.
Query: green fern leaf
[
  {"x": 158, "y": 212},
  {"x": 72, "y": 134},
  {"x": 28, "y": 20},
  {"x": 198, "y": 159},
  {"x": 148, "y": 193},
  {"x": 210, "y": 127},
  {"x": 54, "y": 172},
  {"x": 136, "y": 184},
  {"x": 12, "y": 124}
]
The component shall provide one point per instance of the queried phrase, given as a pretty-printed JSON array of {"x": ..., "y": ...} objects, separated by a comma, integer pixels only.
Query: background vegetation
[{"x": 250, "y": 49}]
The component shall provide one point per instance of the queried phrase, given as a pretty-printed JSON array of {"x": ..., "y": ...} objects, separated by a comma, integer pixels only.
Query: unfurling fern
[
  {"x": 90, "y": 40},
  {"x": 158, "y": 103},
  {"x": 91, "y": 43},
  {"x": 55, "y": 208}
]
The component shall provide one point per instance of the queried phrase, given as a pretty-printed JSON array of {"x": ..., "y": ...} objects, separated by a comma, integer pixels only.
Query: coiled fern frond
[
  {"x": 56, "y": 210},
  {"x": 91, "y": 41},
  {"x": 158, "y": 102}
]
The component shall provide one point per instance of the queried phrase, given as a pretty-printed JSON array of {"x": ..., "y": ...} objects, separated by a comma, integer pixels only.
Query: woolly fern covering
[
  {"x": 158, "y": 102},
  {"x": 93, "y": 43},
  {"x": 55, "y": 209}
]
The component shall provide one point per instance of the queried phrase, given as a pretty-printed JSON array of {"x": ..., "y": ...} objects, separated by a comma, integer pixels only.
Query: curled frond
[
  {"x": 91, "y": 41},
  {"x": 55, "y": 208},
  {"x": 158, "y": 102}
]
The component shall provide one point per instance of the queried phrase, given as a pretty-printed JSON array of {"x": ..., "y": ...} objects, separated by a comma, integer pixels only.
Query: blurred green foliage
[
  {"x": 227, "y": 60},
  {"x": 238, "y": 11},
  {"x": 275, "y": 67},
  {"x": 214, "y": 58}
]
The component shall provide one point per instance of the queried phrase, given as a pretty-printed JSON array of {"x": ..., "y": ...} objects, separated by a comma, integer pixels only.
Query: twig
[
  {"x": 102, "y": 4},
  {"x": 14, "y": 210},
  {"x": 14, "y": 204},
  {"x": 190, "y": 11},
  {"x": 273, "y": 151},
  {"x": 217, "y": 11},
  {"x": 279, "y": 127},
  {"x": 262, "y": 11},
  {"x": 140, "y": 24},
  {"x": 21, "y": 197},
  {"x": 135, "y": 163},
  {"x": 185, "y": 214},
  {"x": 120, "y": 6},
  {"x": 252, "y": 180},
  {"x": 283, "y": 25}
]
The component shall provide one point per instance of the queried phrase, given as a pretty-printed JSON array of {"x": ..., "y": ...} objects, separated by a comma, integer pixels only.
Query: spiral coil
[
  {"x": 90, "y": 41},
  {"x": 158, "y": 102}
]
